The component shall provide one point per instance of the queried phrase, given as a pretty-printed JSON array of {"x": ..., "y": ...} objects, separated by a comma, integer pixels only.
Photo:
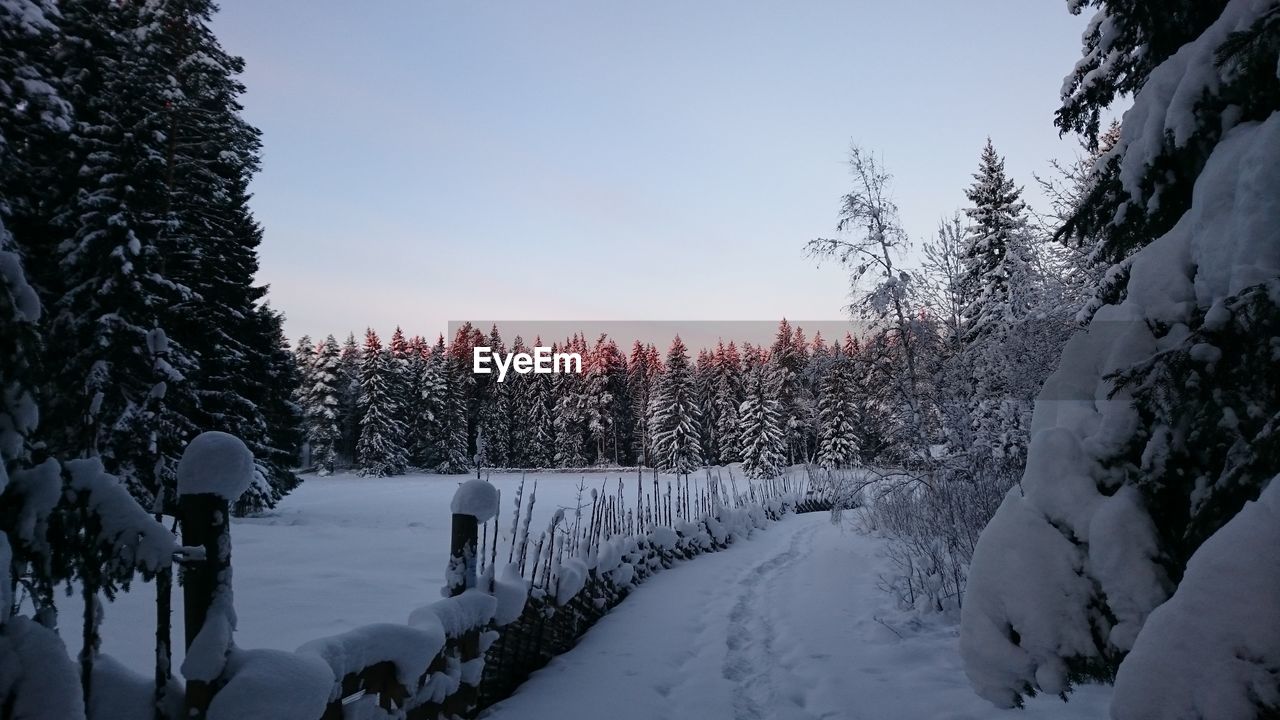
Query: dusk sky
[{"x": 427, "y": 161}]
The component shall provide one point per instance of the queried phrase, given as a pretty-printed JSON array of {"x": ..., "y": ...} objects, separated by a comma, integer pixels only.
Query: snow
[
  {"x": 215, "y": 463},
  {"x": 409, "y": 649},
  {"x": 122, "y": 694},
  {"x": 213, "y": 645},
  {"x": 273, "y": 685},
  {"x": 476, "y": 498},
  {"x": 35, "y": 671},
  {"x": 789, "y": 624},
  {"x": 1195, "y": 658},
  {"x": 138, "y": 540},
  {"x": 571, "y": 577},
  {"x": 511, "y": 591},
  {"x": 456, "y": 615}
]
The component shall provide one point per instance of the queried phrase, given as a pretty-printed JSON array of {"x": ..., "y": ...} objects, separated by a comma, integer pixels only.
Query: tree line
[{"x": 942, "y": 373}]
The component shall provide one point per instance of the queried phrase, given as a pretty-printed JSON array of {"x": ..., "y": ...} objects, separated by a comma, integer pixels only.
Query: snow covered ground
[{"x": 789, "y": 625}]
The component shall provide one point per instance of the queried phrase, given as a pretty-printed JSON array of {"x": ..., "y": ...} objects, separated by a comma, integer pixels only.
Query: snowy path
[{"x": 786, "y": 626}]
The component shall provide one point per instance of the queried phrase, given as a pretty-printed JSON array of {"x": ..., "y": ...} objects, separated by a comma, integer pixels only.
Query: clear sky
[{"x": 433, "y": 160}]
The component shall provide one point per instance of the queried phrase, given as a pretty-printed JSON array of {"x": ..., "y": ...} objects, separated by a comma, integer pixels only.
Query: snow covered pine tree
[
  {"x": 674, "y": 415},
  {"x": 1137, "y": 545}
]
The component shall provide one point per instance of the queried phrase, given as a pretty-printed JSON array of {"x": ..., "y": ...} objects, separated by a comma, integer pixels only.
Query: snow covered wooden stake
[
  {"x": 475, "y": 502},
  {"x": 215, "y": 469}
]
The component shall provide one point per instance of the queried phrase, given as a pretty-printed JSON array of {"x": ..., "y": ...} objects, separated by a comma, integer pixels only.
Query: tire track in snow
[{"x": 752, "y": 661}]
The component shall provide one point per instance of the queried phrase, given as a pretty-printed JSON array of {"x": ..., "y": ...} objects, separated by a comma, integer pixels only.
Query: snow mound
[
  {"x": 476, "y": 498},
  {"x": 511, "y": 592},
  {"x": 1195, "y": 658},
  {"x": 122, "y": 694},
  {"x": 39, "y": 681},
  {"x": 273, "y": 685},
  {"x": 571, "y": 577},
  {"x": 456, "y": 615},
  {"x": 215, "y": 463},
  {"x": 410, "y": 649}
]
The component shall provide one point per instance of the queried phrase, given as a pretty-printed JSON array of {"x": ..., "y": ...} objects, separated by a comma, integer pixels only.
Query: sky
[{"x": 427, "y": 161}]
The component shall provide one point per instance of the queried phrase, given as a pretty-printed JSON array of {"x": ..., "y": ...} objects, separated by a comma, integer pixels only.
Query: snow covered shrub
[{"x": 932, "y": 525}]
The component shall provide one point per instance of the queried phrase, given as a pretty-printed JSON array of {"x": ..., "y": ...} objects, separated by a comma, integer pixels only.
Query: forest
[{"x": 1061, "y": 420}]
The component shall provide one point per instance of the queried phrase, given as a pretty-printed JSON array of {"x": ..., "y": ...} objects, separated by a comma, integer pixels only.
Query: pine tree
[
  {"x": 282, "y": 413},
  {"x": 601, "y": 367},
  {"x": 518, "y": 403},
  {"x": 837, "y": 415},
  {"x": 675, "y": 415},
  {"x": 608, "y": 403},
  {"x": 432, "y": 404},
  {"x": 349, "y": 399},
  {"x": 726, "y": 398},
  {"x": 570, "y": 411},
  {"x": 453, "y": 419},
  {"x": 643, "y": 368},
  {"x": 321, "y": 411},
  {"x": 495, "y": 412},
  {"x": 762, "y": 431},
  {"x": 996, "y": 245},
  {"x": 703, "y": 382},
  {"x": 539, "y": 419},
  {"x": 381, "y": 445},
  {"x": 32, "y": 114},
  {"x": 118, "y": 284}
]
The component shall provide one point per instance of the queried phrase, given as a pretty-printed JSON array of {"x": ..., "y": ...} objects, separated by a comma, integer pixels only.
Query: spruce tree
[
  {"x": 725, "y": 400},
  {"x": 837, "y": 415},
  {"x": 380, "y": 447},
  {"x": 349, "y": 399},
  {"x": 495, "y": 412},
  {"x": 411, "y": 410},
  {"x": 703, "y": 382},
  {"x": 1157, "y": 428},
  {"x": 432, "y": 403},
  {"x": 119, "y": 286},
  {"x": 762, "y": 427},
  {"x": 675, "y": 415},
  {"x": 538, "y": 416},
  {"x": 570, "y": 410},
  {"x": 643, "y": 368},
  {"x": 283, "y": 415},
  {"x": 321, "y": 411},
  {"x": 454, "y": 446},
  {"x": 518, "y": 402},
  {"x": 996, "y": 245}
]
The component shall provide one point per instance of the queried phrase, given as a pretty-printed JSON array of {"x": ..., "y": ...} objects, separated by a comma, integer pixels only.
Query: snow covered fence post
[
  {"x": 475, "y": 502},
  {"x": 215, "y": 469}
]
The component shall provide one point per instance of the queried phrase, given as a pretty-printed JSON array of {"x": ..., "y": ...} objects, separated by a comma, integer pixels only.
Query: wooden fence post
[
  {"x": 215, "y": 469},
  {"x": 204, "y": 525},
  {"x": 474, "y": 503},
  {"x": 462, "y": 554}
]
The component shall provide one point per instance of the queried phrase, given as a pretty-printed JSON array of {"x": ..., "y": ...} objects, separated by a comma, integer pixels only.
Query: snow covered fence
[
  {"x": 426, "y": 668},
  {"x": 498, "y": 621}
]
